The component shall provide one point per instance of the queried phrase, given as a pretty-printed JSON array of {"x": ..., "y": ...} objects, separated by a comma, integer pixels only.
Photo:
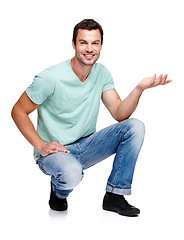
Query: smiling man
[
  {"x": 67, "y": 98},
  {"x": 87, "y": 47}
]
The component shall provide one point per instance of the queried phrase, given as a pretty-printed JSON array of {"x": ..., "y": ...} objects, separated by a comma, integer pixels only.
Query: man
[{"x": 67, "y": 98}]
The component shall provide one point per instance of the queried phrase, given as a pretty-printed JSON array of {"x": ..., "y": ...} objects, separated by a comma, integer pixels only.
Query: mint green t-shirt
[{"x": 68, "y": 108}]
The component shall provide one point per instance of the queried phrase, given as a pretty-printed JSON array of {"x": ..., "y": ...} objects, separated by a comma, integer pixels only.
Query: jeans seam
[
  {"x": 79, "y": 154},
  {"x": 118, "y": 167},
  {"x": 120, "y": 131}
]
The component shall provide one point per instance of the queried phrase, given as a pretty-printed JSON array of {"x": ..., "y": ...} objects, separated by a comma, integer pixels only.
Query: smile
[{"x": 88, "y": 56}]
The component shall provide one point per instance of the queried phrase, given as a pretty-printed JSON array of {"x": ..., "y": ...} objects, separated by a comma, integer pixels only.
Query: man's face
[{"x": 88, "y": 46}]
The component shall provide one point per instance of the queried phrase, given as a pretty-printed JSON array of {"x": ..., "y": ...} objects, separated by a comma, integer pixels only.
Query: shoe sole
[
  {"x": 59, "y": 208},
  {"x": 135, "y": 214}
]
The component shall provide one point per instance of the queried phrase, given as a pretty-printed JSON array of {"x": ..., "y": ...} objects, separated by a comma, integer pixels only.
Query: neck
[{"x": 82, "y": 71}]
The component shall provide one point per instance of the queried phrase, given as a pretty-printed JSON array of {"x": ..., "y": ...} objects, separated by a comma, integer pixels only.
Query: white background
[{"x": 140, "y": 38}]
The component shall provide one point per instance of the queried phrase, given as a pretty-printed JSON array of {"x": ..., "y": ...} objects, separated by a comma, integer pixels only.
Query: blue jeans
[{"x": 124, "y": 139}]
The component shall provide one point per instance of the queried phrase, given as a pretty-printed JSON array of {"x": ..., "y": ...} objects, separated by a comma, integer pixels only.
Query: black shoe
[
  {"x": 56, "y": 203},
  {"x": 117, "y": 203}
]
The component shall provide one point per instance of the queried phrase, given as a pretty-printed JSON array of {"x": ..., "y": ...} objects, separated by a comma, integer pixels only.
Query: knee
[
  {"x": 137, "y": 128},
  {"x": 70, "y": 176}
]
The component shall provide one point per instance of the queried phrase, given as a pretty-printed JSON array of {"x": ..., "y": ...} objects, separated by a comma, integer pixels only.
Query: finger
[
  {"x": 166, "y": 82},
  {"x": 60, "y": 147},
  {"x": 65, "y": 150},
  {"x": 57, "y": 147},
  {"x": 164, "y": 79},
  {"x": 52, "y": 151},
  {"x": 158, "y": 80},
  {"x": 54, "y": 146}
]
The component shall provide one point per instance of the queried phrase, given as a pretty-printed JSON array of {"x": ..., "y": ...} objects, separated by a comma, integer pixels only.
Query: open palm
[{"x": 154, "y": 81}]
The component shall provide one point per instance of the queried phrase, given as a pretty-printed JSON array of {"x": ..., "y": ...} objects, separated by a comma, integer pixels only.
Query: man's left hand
[{"x": 154, "y": 81}]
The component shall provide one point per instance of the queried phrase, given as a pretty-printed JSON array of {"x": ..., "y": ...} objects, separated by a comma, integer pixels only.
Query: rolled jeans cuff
[{"x": 119, "y": 191}]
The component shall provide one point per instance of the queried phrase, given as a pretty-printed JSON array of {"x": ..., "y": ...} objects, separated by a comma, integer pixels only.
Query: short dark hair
[{"x": 88, "y": 24}]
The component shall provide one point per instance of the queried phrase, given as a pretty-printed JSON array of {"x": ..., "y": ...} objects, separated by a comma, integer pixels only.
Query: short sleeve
[
  {"x": 42, "y": 87},
  {"x": 108, "y": 80}
]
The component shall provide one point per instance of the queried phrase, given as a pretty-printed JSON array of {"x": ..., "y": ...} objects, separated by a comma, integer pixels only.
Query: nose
[{"x": 89, "y": 48}]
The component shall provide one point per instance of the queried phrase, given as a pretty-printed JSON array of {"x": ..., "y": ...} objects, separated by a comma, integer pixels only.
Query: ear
[{"x": 73, "y": 44}]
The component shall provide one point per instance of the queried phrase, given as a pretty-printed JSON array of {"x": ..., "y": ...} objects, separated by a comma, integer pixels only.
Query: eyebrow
[{"x": 82, "y": 40}]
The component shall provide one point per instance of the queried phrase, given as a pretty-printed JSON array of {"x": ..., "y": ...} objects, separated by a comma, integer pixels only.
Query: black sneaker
[
  {"x": 117, "y": 203},
  {"x": 56, "y": 203}
]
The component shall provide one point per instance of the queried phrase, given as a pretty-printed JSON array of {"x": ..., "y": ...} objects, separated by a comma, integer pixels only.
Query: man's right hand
[{"x": 52, "y": 147}]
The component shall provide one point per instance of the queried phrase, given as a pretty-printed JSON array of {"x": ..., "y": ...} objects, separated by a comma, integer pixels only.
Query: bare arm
[
  {"x": 122, "y": 110},
  {"x": 20, "y": 114}
]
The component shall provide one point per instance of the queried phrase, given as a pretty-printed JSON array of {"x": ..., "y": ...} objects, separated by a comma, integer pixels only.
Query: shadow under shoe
[
  {"x": 117, "y": 203},
  {"x": 56, "y": 203}
]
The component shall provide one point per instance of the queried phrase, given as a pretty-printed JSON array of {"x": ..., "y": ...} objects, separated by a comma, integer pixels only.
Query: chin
[{"x": 89, "y": 63}]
